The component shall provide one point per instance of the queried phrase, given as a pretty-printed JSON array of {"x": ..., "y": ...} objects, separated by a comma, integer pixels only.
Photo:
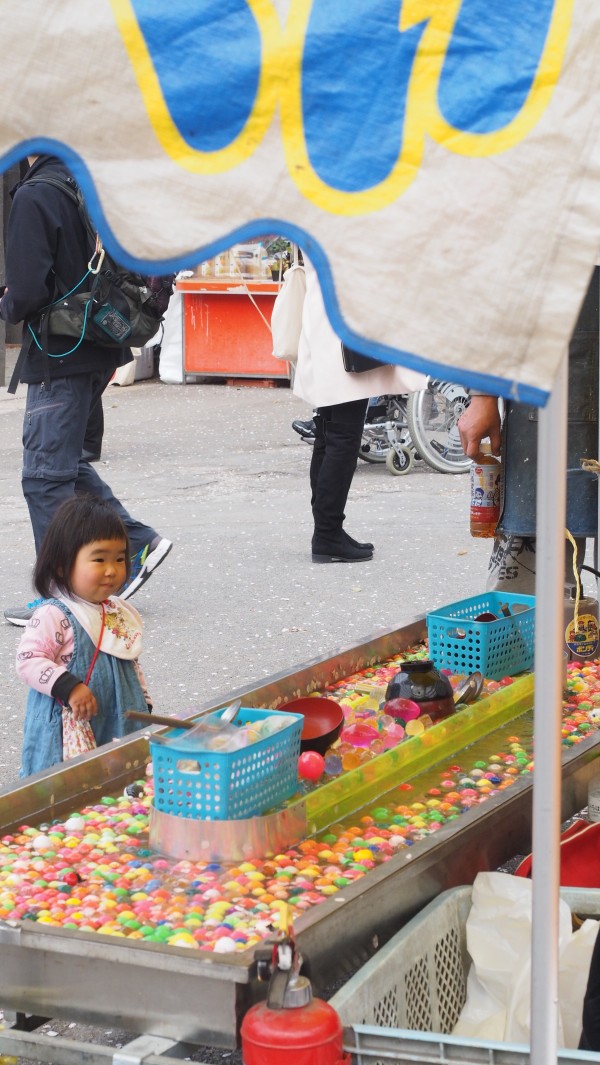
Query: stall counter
[{"x": 226, "y": 331}]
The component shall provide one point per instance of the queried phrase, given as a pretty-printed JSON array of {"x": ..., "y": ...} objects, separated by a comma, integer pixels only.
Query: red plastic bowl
[{"x": 323, "y": 721}]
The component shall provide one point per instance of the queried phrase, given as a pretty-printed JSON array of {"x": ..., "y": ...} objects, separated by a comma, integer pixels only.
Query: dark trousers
[
  {"x": 338, "y": 432},
  {"x": 94, "y": 431},
  {"x": 54, "y": 430}
]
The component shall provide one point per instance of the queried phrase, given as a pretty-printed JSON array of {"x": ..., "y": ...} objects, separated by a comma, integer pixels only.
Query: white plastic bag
[
  {"x": 286, "y": 317},
  {"x": 170, "y": 364},
  {"x": 498, "y": 930},
  {"x": 125, "y": 375}
]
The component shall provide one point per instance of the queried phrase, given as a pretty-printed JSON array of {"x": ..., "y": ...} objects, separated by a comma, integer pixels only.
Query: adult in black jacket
[{"x": 46, "y": 240}]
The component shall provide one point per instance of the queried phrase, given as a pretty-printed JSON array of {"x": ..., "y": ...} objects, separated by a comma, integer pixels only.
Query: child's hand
[{"x": 82, "y": 703}]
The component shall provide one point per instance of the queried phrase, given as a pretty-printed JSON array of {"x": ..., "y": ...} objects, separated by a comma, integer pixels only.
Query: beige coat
[{"x": 320, "y": 376}]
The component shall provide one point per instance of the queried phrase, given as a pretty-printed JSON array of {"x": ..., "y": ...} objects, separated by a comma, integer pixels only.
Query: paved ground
[{"x": 220, "y": 471}]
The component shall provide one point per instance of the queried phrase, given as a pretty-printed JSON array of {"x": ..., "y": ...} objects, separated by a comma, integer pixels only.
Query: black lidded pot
[{"x": 424, "y": 684}]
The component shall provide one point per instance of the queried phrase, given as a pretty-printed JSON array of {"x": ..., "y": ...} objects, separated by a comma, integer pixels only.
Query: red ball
[
  {"x": 311, "y": 765},
  {"x": 71, "y": 879}
]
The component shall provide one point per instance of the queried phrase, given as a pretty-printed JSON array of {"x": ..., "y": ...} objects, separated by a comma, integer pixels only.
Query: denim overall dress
[{"x": 115, "y": 684}]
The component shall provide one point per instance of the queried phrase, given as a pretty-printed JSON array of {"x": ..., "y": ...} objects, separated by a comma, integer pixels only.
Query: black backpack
[{"x": 111, "y": 306}]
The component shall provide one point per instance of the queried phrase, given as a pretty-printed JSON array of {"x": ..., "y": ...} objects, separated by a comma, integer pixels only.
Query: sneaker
[
  {"x": 305, "y": 429},
  {"x": 144, "y": 563},
  {"x": 21, "y": 615}
]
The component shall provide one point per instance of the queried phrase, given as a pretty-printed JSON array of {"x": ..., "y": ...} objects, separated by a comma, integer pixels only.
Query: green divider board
[{"x": 351, "y": 791}]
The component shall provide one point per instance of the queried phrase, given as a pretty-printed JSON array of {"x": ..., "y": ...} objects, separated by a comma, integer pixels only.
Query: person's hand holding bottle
[{"x": 480, "y": 420}]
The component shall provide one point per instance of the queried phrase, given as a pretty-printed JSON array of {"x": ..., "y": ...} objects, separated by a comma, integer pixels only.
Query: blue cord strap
[{"x": 54, "y": 355}]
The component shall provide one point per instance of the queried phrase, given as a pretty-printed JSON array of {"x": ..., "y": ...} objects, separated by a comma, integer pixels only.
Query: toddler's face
[{"x": 100, "y": 570}]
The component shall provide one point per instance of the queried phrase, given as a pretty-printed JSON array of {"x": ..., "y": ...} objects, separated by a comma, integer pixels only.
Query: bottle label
[
  {"x": 594, "y": 802},
  {"x": 485, "y": 492},
  {"x": 583, "y": 642}
]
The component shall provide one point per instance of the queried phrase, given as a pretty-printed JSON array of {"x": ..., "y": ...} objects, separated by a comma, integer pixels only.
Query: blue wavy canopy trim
[{"x": 507, "y": 388}]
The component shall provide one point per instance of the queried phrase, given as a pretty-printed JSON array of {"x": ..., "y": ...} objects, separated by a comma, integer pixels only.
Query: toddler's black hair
[{"x": 77, "y": 522}]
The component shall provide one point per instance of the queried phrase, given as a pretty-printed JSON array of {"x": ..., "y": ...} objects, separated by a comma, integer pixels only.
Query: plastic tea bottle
[
  {"x": 486, "y": 473},
  {"x": 594, "y": 799}
]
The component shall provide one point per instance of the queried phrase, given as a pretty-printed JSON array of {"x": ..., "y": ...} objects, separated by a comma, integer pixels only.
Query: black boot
[
  {"x": 315, "y": 468},
  {"x": 318, "y": 454},
  {"x": 332, "y": 469},
  {"x": 338, "y": 548},
  {"x": 357, "y": 543}
]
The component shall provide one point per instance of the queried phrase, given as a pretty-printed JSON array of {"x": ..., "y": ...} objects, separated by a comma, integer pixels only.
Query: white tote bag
[{"x": 286, "y": 317}]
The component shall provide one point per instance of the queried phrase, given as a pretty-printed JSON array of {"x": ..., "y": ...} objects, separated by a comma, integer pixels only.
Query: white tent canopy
[{"x": 438, "y": 161}]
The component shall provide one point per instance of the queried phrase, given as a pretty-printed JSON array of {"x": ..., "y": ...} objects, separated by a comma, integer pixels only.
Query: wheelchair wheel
[
  {"x": 432, "y": 417},
  {"x": 374, "y": 446},
  {"x": 399, "y": 460}
]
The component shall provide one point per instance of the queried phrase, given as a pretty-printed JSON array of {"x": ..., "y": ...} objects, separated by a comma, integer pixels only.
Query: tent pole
[
  {"x": 597, "y": 537},
  {"x": 549, "y": 581}
]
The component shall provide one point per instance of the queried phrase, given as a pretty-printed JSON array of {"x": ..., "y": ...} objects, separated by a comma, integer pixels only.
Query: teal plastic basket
[
  {"x": 496, "y": 648},
  {"x": 215, "y": 786}
]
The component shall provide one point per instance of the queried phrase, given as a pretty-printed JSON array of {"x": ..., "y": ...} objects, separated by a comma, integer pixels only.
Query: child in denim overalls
[{"x": 79, "y": 652}]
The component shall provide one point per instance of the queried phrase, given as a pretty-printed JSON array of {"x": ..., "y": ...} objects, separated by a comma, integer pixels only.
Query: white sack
[
  {"x": 170, "y": 366},
  {"x": 499, "y": 943},
  {"x": 286, "y": 316}
]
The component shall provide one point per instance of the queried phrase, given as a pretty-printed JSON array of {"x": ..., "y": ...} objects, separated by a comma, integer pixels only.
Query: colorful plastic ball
[
  {"x": 71, "y": 878},
  {"x": 333, "y": 765},
  {"x": 402, "y": 709},
  {"x": 311, "y": 765},
  {"x": 134, "y": 791},
  {"x": 359, "y": 735}
]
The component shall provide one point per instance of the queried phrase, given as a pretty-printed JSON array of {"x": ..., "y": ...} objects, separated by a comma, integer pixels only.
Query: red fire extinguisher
[{"x": 291, "y": 1026}]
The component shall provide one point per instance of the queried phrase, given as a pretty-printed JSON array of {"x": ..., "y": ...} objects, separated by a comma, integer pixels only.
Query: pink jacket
[{"x": 46, "y": 648}]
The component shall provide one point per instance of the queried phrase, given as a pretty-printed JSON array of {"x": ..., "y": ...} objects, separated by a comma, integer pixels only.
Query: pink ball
[
  {"x": 404, "y": 709},
  {"x": 311, "y": 765},
  {"x": 358, "y": 735}
]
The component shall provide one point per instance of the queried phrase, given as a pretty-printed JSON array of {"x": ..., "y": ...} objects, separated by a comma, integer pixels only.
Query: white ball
[
  {"x": 75, "y": 824},
  {"x": 224, "y": 945}
]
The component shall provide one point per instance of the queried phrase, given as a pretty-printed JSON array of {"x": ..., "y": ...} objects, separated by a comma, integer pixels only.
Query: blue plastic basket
[
  {"x": 214, "y": 786},
  {"x": 495, "y": 648}
]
